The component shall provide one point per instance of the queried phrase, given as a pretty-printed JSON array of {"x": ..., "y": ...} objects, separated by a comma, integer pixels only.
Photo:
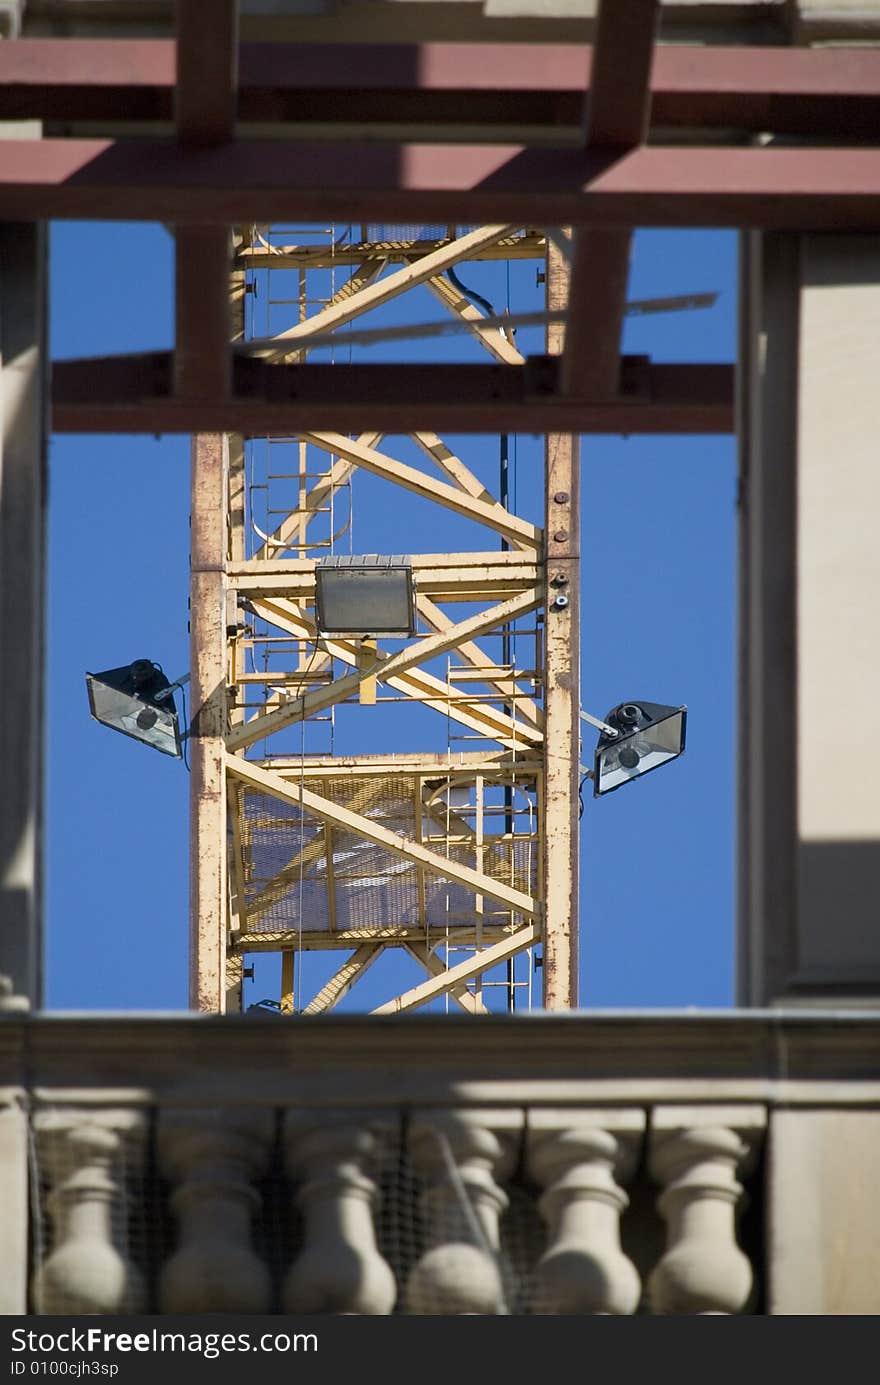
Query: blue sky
[{"x": 658, "y": 545}]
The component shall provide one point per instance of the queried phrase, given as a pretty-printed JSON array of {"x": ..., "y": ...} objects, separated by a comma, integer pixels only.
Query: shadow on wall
[{"x": 838, "y": 940}]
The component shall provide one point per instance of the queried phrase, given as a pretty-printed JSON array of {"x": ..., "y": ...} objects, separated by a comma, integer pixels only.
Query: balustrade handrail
[{"x": 618, "y": 1058}]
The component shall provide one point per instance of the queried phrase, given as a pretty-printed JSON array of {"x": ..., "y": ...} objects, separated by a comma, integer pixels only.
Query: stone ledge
[{"x": 604, "y": 1058}]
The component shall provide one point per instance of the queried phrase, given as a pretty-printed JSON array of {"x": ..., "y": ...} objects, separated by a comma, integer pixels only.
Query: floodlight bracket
[
  {"x": 169, "y": 691},
  {"x": 600, "y": 725}
]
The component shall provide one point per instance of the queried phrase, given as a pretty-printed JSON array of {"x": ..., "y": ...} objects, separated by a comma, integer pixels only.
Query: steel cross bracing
[{"x": 440, "y": 853}]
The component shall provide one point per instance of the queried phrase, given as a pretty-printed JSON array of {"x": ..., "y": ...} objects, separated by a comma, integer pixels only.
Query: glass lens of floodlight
[
  {"x": 122, "y": 712},
  {"x": 654, "y": 746},
  {"x": 364, "y": 601}
]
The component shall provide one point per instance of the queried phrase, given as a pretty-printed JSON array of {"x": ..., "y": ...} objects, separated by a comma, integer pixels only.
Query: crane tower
[{"x": 323, "y": 622}]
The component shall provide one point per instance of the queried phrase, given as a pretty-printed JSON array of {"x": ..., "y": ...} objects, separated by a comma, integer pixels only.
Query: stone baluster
[
  {"x": 332, "y": 1158},
  {"x": 460, "y": 1154},
  {"x": 578, "y": 1159},
  {"x": 84, "y": 1153},
  {"x": 696, "y": 1154},
  {"x": 212, "y": 1158}
]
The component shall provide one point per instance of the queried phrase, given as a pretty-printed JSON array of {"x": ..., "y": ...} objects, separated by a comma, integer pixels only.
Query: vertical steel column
[
  {"x": 205, "y": 102},
  {"x": 208, "y": 826},
  {"x": 561, "y": 686},
  {"x": 235, "y": 499},
  {"x": 769, "y": 349}
]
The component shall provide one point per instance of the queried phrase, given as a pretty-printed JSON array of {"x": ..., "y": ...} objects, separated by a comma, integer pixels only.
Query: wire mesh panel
[
  {"x": 285, "y": 866},
  {"x": 396, "y": 232},
  {"x": 107, "y": 1204},
  {"x": 301, "y": 873},
  {"x": 96, "y": 1236}
]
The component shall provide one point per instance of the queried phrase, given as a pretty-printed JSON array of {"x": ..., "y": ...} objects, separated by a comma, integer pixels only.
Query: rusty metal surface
[
  {"x": 562, "y": 634},
  {"x": 208, "y": 884}
]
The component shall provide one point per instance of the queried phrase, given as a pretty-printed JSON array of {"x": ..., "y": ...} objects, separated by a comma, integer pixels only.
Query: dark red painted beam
[
  {"x": 774, "y": 188},
  {"x": 132, "y": 394},
  {"x": 619, "y": 83},
  {"x": 205, "y": 100},
  {"x": 616, "y": 120},
  {"x": 206, "y": 50},
  {"x": 202, "y": 357},
  {"x": 787, "y": 90}
]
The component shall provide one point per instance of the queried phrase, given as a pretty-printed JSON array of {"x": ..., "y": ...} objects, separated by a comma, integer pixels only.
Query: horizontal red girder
[
  {"x": 132, "y": 394},
  {"x": 765, "y": 188},
  {"x": 787, "y": 90}
]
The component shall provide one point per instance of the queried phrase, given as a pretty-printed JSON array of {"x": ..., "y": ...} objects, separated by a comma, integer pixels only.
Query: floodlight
[
  {"x": 636, "y": 738},
  {"x": 264, "y": 1007},
  {"x": 138, "y": 700},
  {"x": 367, "y": 596}
]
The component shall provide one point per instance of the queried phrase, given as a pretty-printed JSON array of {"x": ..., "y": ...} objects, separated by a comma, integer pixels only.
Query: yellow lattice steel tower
[{"x": 465, "y": 855}]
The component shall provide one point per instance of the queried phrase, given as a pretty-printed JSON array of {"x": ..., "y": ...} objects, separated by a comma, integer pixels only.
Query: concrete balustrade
[
  {"x": 668, "y": 1165},
  {"x": 574, "y": 1161}
]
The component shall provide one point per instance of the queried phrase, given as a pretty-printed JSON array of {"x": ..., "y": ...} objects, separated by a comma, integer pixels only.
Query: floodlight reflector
[
  {"x": 650, "y": 734},
  {"x": 129, "y": 699},
  {"x": 368, "y": 595}
]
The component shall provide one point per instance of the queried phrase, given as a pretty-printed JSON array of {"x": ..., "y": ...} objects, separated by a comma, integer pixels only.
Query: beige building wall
[
  {"x": 14, "y": 1203},
  {"x": 810, "y": 761},
  {"x": 838, "y": 613},
  {"x": 823, "y": 1217}
]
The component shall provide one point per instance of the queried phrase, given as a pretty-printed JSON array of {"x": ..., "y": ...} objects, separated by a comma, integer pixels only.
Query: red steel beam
[
  {"x": 202, "y": 355},
  {"x": 205, "y": 101},
  {"x": 132, "y": 394},
  {"x": 832, "y": 91},
  {"x": 760, "y": 188},
  {"x": 618, "y": 96},
  {"x": 796, "y": 91},
  {"x": 617, "y": 116},
  {"x": 206, "y": 48}
]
